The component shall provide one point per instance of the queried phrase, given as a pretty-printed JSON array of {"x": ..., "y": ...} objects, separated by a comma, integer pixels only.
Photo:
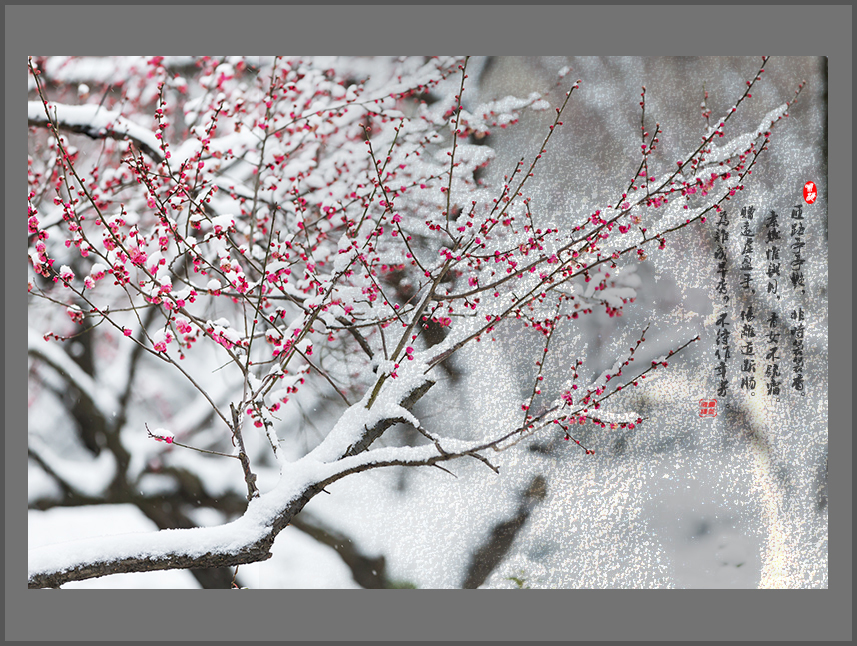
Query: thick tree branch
[
  {"x": 104, "y": 401},
  {"x": 95, "y": 123},
  {"x": 380, "y": 428},
  {"x": 246, "y": 540},
  {"x": 491, "y": 553}
]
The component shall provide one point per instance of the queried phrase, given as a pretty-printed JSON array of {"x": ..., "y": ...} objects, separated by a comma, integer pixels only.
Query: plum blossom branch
[{"x": 268, "y": 234}]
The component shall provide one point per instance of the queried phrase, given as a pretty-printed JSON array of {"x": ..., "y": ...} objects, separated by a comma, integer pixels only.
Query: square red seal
[{"x": 708, "y": 408}]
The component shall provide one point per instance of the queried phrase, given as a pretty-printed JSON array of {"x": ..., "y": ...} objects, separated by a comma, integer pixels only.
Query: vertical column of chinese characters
[
  {"x": 773, "y": 376},
  {"x": 797, "y": 280},
  {"x": 748, "y": 332},
  {"x": 797, "y": 350},
  {"x": 721, "y": 351},
  {"x": 797, "y": 233}
]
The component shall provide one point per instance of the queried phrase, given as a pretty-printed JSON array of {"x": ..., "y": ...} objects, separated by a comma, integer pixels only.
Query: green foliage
[{"x": 519, "y": 581}]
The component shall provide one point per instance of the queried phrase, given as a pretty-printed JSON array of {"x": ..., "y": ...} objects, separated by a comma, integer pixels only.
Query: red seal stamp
[{"x": 708, "y": 408}]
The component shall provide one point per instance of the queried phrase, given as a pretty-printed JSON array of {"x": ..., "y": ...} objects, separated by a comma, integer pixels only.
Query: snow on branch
[
  {"x": 101, "y": 398},
  {"x": 86, "y": 477},
  {"x": 742, "y": 142},
  {"x": 245, "y": 540},
  {"x": 94, "y": 122}
]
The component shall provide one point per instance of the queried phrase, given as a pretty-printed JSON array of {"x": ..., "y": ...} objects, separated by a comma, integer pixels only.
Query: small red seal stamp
[
  {"x": 708, "y": 408},
  {"x": 810, "y": 192}
]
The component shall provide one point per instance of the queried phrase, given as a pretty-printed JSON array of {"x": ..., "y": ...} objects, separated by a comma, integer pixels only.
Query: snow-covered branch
[
  {"x": 94, "y": 122},
  {"x": 100, "y": 396},
  {"x": 319, "y": 231}
]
